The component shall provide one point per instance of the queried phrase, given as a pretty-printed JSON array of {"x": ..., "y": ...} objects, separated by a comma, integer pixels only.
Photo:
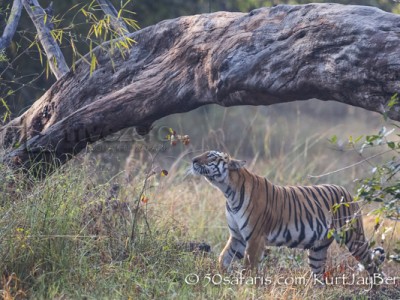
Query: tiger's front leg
[
  {"x": 254, "y": 252},
  {"x": 234, "y": 249}
]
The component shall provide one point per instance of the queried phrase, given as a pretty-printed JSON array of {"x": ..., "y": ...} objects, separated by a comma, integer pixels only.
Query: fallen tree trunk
[{"x": 348, "y": 54}]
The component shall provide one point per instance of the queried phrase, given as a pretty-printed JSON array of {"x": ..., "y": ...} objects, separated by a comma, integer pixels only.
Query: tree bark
[
  {"x": 11, "y": 26},
  {"x": 54, "y": 55},
  {"x": 348, "y": 54}
]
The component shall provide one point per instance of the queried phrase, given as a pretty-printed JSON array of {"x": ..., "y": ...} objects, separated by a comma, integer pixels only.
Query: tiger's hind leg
[
  {"x": 359, "y": 247},
  {"x": 233, "y": 250},
  {"x": 317, "y": 257}
]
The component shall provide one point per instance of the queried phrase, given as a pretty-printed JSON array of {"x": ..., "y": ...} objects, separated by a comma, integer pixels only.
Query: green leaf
[
  {"x": 333, "y": 139},
  {"x": 93, "y": 64},
  {"x": 358, "y": 139},
  {"x": 392, "y": 145},
  {"x": 393, "y": 100}
]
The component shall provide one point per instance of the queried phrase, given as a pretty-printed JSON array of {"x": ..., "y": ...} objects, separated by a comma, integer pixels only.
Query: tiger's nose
[{"x": 196, "y": 160}]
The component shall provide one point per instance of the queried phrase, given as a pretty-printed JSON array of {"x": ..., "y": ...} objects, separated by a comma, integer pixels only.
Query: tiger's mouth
[
  {"x": 199, "y": 169},
  {"x": 202, "y": 170}
]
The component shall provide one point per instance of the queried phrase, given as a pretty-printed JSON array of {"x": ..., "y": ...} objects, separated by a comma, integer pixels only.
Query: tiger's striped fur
[{"x": 260, "y": 213}]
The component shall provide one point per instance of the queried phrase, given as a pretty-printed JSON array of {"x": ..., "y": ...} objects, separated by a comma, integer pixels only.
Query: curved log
[{"x": 348, "y": 54}]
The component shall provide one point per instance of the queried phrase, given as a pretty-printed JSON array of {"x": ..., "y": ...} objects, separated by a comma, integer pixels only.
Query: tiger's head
[{"x": 215, "y": 166}]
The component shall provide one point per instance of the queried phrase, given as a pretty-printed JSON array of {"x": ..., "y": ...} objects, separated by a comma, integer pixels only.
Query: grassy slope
[{"x": 71, "y": 236}]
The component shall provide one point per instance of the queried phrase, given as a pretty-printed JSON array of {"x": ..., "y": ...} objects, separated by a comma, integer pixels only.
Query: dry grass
[
  {"x": 200, "y": 210},
  {"x": 84, "y": 233}
]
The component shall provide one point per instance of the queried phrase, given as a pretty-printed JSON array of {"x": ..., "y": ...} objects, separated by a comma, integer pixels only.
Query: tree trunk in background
[
  {"x": 348, "y": 54},
  {"x": 55, "y": 58},
  {"x": 11, "y": 26}
]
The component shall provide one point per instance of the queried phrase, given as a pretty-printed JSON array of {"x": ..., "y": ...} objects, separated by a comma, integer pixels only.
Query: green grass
[{"x": 83, "y": 233}]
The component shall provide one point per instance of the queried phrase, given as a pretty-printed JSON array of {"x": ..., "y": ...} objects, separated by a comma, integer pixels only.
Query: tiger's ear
[{"x": 236, "y": 164}]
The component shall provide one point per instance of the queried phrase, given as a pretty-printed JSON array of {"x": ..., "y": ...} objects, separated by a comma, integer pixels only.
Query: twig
[{"x": 350, "y": 166}]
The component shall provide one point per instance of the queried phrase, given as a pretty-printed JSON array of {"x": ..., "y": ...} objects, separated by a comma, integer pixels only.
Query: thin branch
[
  {"x": 350, "y": 166},
  {"x": 116, "y": 23},
  {"x": 12, "y": 24},
  {"x": 55, "y": 57}
]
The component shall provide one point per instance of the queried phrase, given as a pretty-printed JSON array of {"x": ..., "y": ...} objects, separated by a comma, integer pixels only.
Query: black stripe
[
  {"x": 251, "y": 233},
  {"x": 288, "y": 235},
  {"x": 342, "y": 216},
  {"x": 239, "y": 255},
  {"x": 273, "y": 194},
  {"x": 295, "y": 199},
  {"x": 360, "y": 250},
  {"x": 248, "y": 205},
  {"x": 314, "y": 267},
  {"x": 229, "y": 193},
  {"x": 309, "y": 219},
  {"x": 228, "y": 208},
  {"x": 311, "y": 242},
  {"x": 290, "y": 199},
  {"x": 334, "y": 197},
  {"x": 247, "y": 220},
  {"x": 241, "y": 199},
  {"x": 271, "y": 210},
  {"x": 235, "y": 253},
  {"x": 316, "y": 259},
  {"x": 251, "y": 197},
  {"x": 320, "y": 228},
  {"x": 301, "y": 236},
  {"x": 241, "y": 242},
  {"x": 316, "y": 249},
  {"x": 325, "y": 198},
  {"x": 278, "y": 232},
  {"x": 265, "y": 215},
  {"x": 233, "y": 229},
  {"x": 302, "y": 232},
  {"x": 267, "y": 190},
  {"x": 321, "y": 214},
  {"x": 307, "y": 198}
]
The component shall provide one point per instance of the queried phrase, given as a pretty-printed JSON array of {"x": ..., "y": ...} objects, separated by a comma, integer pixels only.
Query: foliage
[
  {"x": 78, "y": 28},
  {"x": 382, "y": 186}
]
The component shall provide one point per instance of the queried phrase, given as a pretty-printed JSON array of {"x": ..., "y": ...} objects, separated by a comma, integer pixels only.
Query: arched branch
[{"x": 348, "y": 54}]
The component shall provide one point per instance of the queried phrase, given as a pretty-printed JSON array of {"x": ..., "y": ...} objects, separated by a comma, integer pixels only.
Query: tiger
[{"x": 260, "y": 213}]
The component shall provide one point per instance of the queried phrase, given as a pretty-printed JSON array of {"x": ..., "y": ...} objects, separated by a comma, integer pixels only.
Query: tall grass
[{"x": 87, "y": 232}]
